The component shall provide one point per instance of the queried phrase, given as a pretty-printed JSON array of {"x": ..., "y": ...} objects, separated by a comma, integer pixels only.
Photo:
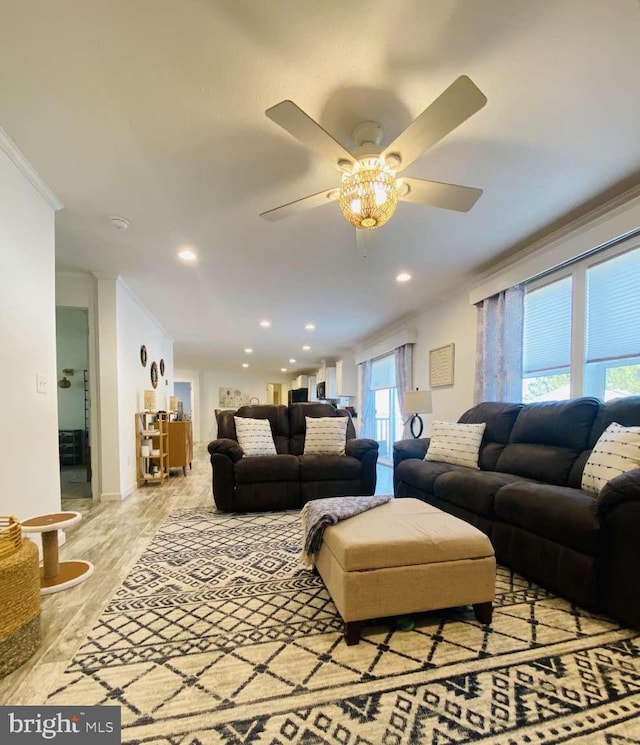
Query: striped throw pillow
[
  {"x": 458, "y": 444},
  {"x": 617, "y": 451},
  {"x": 254, "y": 436},
  {"x": 326, "y": 435}
]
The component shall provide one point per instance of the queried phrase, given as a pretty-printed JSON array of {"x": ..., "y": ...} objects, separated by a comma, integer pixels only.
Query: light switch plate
[{"x": 41, "y": 383}]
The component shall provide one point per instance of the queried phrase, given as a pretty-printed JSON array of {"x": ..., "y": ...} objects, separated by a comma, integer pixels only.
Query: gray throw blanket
[{"x": 317, "y": 514}]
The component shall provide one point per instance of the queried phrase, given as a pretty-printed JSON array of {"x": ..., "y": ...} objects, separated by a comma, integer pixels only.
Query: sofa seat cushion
[
  {"x": 560, "y": 514},
  {"x": 472, "y": 490},
  {"x": 423, "y": 473},
  {"x": 265, "y": 468},
  {"x": 329, "y": 468}
]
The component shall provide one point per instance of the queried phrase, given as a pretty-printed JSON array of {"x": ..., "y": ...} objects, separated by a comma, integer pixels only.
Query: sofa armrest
[
  {"x": 622, "y": 488},
  {"x": 225, "y": 446},
  {"x": 405, "y": 449},
  {"x": 618, "y": 579},
  {"x": 359, "y": 447}
]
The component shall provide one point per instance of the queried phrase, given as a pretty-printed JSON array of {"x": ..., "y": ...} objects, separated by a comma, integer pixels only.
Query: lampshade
[
  {"x": 173, "y": 403},
  {"x": 369, "y": 194},
  {"x": 416, "y": 402},
  {"x": 149, "y": 400}
]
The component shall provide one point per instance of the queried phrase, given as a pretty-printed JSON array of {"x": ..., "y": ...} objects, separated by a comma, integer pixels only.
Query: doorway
[
  {"x": 182, "y": 391},
  {"x": 72, "y": 355},
  {"x": 275, "y": 393}
]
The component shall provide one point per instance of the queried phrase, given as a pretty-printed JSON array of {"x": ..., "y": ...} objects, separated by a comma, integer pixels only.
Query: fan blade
[
  {"x": 452, "y": 107},
  {"x": 309, "y": 132},
  {"x": 437, "y": 194},
  {"x": 315, "y": 200}
]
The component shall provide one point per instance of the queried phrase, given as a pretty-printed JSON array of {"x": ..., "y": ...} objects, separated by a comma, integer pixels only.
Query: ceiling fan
[{"x": 369, "y": 190}]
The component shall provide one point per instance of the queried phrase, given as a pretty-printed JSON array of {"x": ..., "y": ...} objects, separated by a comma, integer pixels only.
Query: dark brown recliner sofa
[
  {"x": 289, "y": 479},
  {"x": 527, "y": 498}
]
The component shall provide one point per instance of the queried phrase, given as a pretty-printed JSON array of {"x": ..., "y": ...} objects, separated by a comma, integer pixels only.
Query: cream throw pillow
[
  {"x": 455, "y": 443},
  {"x": 617, "y": 451},
  {"x": 254, "y": 436},
  {"x": 326, "y": 435}
]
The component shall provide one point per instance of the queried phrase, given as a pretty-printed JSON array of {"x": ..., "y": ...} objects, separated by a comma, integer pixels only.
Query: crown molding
[
  {"x": 28, "y": 171},
  {"x": 613, "y": 220}
]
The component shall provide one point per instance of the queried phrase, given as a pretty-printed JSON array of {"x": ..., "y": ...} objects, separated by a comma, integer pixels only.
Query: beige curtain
[
  {"x": 499, "y": 347},
  {"x": 404, "y": 376}
]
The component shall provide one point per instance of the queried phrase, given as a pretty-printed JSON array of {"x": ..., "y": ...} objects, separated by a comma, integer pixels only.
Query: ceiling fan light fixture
[{"x": 369, "y": 195}]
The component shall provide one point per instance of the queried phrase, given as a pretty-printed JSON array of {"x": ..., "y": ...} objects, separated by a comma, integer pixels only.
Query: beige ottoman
[{"x": 405, "y": 557}]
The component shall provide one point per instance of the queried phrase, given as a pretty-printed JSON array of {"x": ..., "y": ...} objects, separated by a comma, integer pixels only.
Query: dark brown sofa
[
  {"x": 527, "y": 498},
  {"x": 287, "y": 480}
]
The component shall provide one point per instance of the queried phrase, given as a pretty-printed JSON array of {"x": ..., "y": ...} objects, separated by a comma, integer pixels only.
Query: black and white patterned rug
[{"x": 218, "y": 635}]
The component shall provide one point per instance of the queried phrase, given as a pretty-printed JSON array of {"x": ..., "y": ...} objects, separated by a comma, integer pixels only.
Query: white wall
[
  {"x": 450, "y": 321},
  {"x": 29, "y": 437},
  {"x": 72, "y": 352},
  {"x": 135, "y": 326},
  {"x": 251, "y": 383}
]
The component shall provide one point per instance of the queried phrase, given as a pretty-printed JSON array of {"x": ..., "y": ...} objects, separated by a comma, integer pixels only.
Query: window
[
  {"x": 546, "y": 353},
  {"x": 581, "y": 334},
  {"x": 388, "y": 420},
  {"x": 613, "y": 327}
]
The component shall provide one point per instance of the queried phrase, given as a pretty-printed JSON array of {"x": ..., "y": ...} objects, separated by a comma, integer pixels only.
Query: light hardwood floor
[{"x": 112, "y": 535}]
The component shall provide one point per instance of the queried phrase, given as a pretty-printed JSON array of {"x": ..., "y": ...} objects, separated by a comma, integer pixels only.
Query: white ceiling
[{"x": 154, "y": 110}]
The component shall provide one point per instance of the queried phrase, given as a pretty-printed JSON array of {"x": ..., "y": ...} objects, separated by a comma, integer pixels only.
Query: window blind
[
  {"x": 613, "y": 308},
  {"x": 547, "y": 327},
  {"x": 383, "y": 373}
]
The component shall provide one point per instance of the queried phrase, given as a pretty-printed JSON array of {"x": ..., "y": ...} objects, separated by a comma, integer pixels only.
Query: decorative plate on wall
[
  {"x": 143, "y": 355},
  {"x": 162, "y": 367},
  {"x": 154, "y": 374}
]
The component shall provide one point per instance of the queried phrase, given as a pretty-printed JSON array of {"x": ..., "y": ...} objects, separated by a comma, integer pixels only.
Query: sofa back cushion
[
  {"x": 548, "y": 438},
  {"x": 624, "y": 411},
  {"x": 278, "y": 417},
  {"x": 297, "y": 424},
  {"x": 499, "y": 418}
]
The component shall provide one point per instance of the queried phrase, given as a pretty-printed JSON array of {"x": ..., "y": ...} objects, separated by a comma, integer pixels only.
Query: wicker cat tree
[{"x": 19, "y": 596}]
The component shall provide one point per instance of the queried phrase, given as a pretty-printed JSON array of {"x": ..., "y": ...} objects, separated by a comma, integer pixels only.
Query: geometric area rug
[{"x": 218, "y": 635}]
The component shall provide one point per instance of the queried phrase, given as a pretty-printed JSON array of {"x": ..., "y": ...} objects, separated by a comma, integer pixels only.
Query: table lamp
[{"x": 416, "y": 403}]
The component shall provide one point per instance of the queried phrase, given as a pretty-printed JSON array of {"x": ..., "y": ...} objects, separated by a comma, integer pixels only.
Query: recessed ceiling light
[
  {"x": 310, "y": 327},
  {"x": 292, "y": 361},
  {"x": 248, "y": 350},
  {"x": 187, "y": 254},
  {"x": 265, "y": 324},
  {"x": 306, "y": 348},
  {"x": 119, "y": 223},
  {"x": 245, "y": 364},
  {"x": 283, "y": 369},
  {"x": 403, "y": 277}
]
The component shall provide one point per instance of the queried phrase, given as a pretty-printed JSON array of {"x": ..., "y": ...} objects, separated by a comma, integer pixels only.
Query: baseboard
[{"x": 111, "y": 497}]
